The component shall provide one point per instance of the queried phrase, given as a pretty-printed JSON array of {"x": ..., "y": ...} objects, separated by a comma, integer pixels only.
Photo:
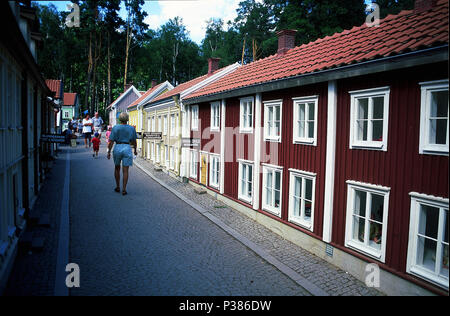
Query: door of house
[{"x": 203, "y": 168}]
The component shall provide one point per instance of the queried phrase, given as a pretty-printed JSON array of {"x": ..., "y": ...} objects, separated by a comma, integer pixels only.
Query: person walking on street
[
  {"x": 96, "y": 145},
  {"x": 123, "y": 135},
  {"x": 80, "y": 126},
  {"x": 98, "y": 122},
  {"x": 87, "y": 130}
]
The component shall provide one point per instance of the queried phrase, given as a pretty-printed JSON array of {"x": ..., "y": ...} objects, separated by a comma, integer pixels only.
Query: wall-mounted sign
[
  {"x": 190, "y": 142},
  {"x": 53, "y": 138},
  {"x": 149, "y": 135}
]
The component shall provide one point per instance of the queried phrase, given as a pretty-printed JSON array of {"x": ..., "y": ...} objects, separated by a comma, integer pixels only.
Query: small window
[
  {"x": 159, "y": 124},
  {"x": 367, "y": 210},
  {"x": 194, "y": 117},
  {"x": 166, "y": 155},
  {"x": 246, "y": 115},
  {"x": 434, "y": 117},
  {"x": 245, "y": 186},
  {"x": 214, "y": 171},
  {"x": 272, "y": 189},
  {"x": 165, "y": 125},
  {"x": 428, "y": 239},
  {"x": 172, "y": 157},
  {"x": 158, "y": 153},
  {"x": 172, "y": 125},
  {"x": 193, "y": 164},
  {"x": 369, "y": 119},
  {"x": 301, "y": 194},
  {"x": 305, "y": 120},
  {"x": 272, "y": 121},
  {"x": 215, "y": 116}
]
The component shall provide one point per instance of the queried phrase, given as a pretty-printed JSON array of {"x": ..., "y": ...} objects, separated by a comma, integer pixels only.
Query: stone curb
[{"x": 297, "y": 278}]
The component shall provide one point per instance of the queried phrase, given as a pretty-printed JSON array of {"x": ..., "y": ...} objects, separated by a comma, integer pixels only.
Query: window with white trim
[
  {"x": 165, "y": 125},
  {"x": 245, "y": 186},
  {"x": 166, "y": 155},
  {"x": 367, "y": 213},
  {"x": 434, "y": 108},
  {"x": 172, "y": 125},
  {"x": 215, "y": 116},
  {"x": 193, "y": 164},
  {"x": 301, "y": 198},
  {"x": 246, "y": 115},
  {"x": 369, "y": 111},
  {"x": 272, "y": 121},
  {"x": 149, "y": 124},
  {"x": 271, "y": 200},
  {"x": 428, "y": 239},
  {"x": 194, "y": 117},
  {"x": 172, "y": 157},
  {"x": 153, "y": 129},
  {"x": 305, "y": 120},
  {"x": 153, "y": 151},
  {"x": 214, "y": 170},
  {"x": 159, "y": 124},
  {"x": 158, "y": 152}
]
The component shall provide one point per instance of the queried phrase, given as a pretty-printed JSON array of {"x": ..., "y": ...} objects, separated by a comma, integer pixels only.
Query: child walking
[
  {"x": 96, "y": 145},
  {"x": 108, "y": 133}
]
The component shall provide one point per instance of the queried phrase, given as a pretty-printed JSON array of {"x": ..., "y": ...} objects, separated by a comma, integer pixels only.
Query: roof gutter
[{"x": 411, "y": 59}]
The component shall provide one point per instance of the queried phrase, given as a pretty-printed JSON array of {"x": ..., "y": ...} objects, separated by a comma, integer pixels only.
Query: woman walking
[
  {"x": 123, "y": 135},
  {"x": 87, "y": 130}
]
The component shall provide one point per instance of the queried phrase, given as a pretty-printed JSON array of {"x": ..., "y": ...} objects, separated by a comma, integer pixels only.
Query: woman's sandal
[
  {"x": 124, "y": 193},
  {"x": 117, "y": 190}
]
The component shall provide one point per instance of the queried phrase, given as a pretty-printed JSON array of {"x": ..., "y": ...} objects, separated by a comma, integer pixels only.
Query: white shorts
[{"x": 98, "y": 130}]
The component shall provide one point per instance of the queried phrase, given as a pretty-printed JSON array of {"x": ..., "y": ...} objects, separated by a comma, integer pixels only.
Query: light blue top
[{"x": 123, "y": 133}]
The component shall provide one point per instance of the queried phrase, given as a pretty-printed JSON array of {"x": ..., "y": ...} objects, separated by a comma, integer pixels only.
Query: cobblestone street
[{"x": 153, "y": 242}]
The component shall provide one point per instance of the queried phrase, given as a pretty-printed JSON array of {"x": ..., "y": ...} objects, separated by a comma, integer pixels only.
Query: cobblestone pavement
[
  {"x": 324, "y": 275},
  {"x": 152, "y": 243}
]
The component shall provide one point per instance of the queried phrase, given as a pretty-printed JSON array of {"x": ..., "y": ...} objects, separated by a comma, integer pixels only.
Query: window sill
[
  {"x": 424, "y": 274},
  {"x": 433, "y": 151},
  {"x": 272, "y": 211},
  {"x": 369, "y": 146},
  {"x": 364, "y": 249},
  {"x": 246, "y": 131},
  {"x": 245, "y": 199},
  {"x": 214, "y": 129},
  {"x": 301, "y": 223},
  {"x": 272, "y": 140},
  {"x": 309, "y": 142}
]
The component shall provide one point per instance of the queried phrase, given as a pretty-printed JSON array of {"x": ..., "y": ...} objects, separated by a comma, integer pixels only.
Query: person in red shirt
[{"x": 96, "y": 145}]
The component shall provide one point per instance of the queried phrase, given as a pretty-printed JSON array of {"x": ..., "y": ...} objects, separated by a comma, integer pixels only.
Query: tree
[{"x": 393, "y": 6}]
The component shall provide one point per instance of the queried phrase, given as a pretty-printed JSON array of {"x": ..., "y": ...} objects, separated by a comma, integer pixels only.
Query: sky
[{"x": 194, "y": 13}]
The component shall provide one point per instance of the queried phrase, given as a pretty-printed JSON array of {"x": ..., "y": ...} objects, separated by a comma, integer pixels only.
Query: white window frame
[
  {"x": 296, "y": 102},
  {"x": 165, "y": 124},
  {"x": 357, "y": 245},
  {"x": 193, "y": 160},
  {"x": 166, "y": 156},
  {"x": 160, "y": 124},
  {"x": 417, "y": 200},
  {"x": 268, "y": 104},
  {"x": 299, "y": 220},
  {"x": 214, "y": 175},
  {"x": 246, "y": 118},
  {"x": 172, "y": 125},
  {"x": 153, "y": 149},
  {"x": 424, "y": 146},
  {"x": 247, "y": 196},
  {"x": 172, "y": 157},
  {"x": 370, "y": 94},
  {"x": 215, "y": 116},
  {"x": 158, "y": 153},
  {"x": 272, "y": 169},
  {"x": 194, "y": 117},
  {"x": 153, "y": 124}
]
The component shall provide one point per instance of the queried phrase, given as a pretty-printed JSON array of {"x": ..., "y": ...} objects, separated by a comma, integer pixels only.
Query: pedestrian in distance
[
  {"x": 80, "y": 126},
  {"x": 122, "y": 137},
  {"x": 98, "y": 122},
  {"x": 96, "y": 145},
  {"x": 87, "y": 130},
  {"x": 108, "y": 132}
]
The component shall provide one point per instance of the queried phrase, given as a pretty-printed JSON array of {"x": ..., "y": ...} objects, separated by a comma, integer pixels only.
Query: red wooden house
[{"x": 340, "y": 145}]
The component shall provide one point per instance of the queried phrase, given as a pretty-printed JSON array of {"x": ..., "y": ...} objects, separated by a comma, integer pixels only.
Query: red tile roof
[
  {"x": 396, "y": 34},
  {"x": 144, "y": 95},
  {"x": 54, "y": 86},
  {"x": 69, "y": 98}
]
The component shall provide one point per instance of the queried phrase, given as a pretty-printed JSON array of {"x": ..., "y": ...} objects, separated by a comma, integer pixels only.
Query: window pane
[
  {"x": 428, "y": 221},
  {"x": 301, "y": 129},
  {"x": 377, "y": 208},
  {"x": 358, "y": 228},
  {"x": 311, "y": 111},
  {"x": 298, "y": 187},
  {"x": 311, "y": 129},
  {"x": 378, "y": 105},
  {"x": 361, "y": 130},
  {"x": 268, "y": 196},
  {"x": 277, "y": 180},
  {"x": 296, "y": 210},
  {"x": 426, "y": 253},
  {"x": 446, "y": 226},
  {"x": 249, "y": 189},
  {"x": 277, "y": 128},
  {"x": 301, "y": 111},
  {"x": 363, "y": 106},
  {"x": 308, "y": 189},
  {"x": 439, "y": 104},
  {"x": 277, "y": 113},
  {"x": 308, "y": 209},
  {"x": 277, "y": 198},
  {"x": 377, "y": 131},
  {"x": 360, "y": 203},
  {"x": 440, "y": 131},
  {"x": 375, "y": 235}
]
